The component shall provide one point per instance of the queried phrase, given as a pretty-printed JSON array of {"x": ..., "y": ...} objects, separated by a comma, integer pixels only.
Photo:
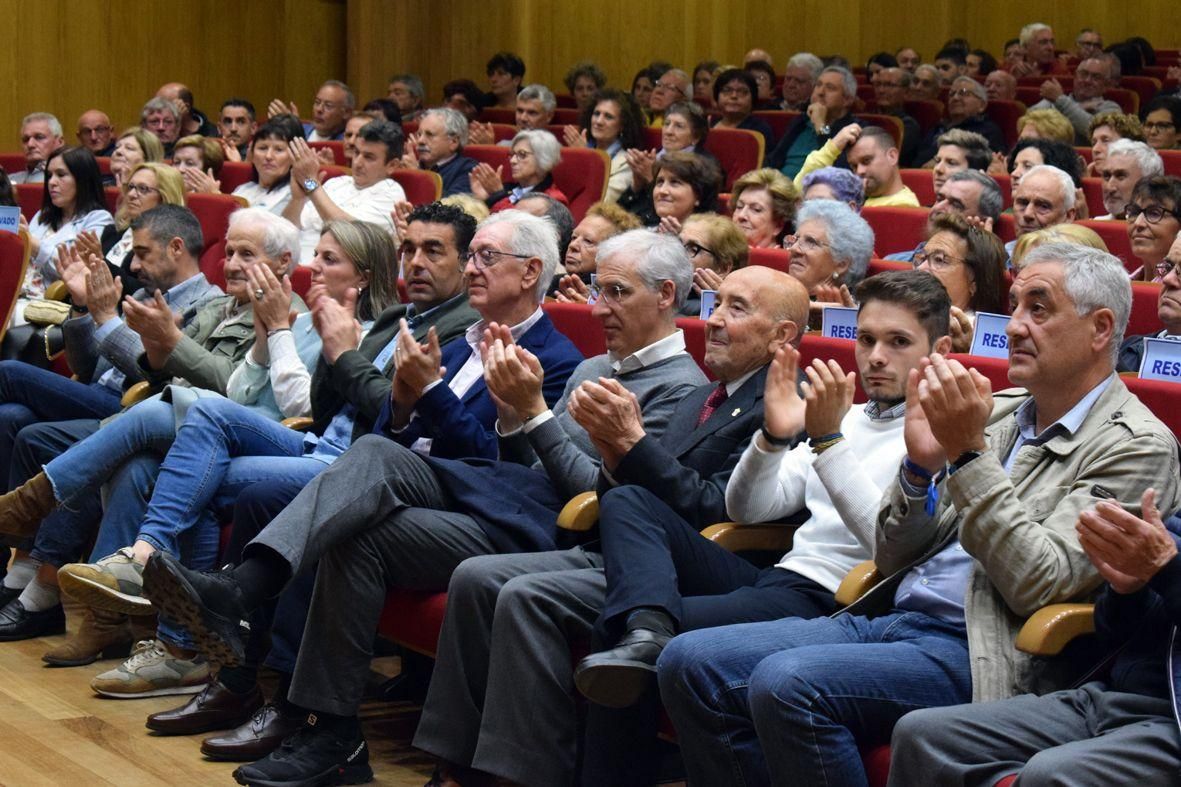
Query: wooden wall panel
[
  {"x": 443, "y": 39},
  {"x": 66, "y": 56}
]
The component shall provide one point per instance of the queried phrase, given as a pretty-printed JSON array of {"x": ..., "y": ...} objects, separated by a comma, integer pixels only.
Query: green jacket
[
  {"x": 214, "y": 341},
  {"x": 1020, "y": 526}
]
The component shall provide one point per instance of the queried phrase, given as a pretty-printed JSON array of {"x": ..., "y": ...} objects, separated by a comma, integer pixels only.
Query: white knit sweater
[{"x": 842, "y": 488}]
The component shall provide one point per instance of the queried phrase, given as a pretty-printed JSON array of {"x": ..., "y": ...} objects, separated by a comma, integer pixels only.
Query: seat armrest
[
  {"x": 1053, "y": 627},
  {"x": 580, "y": 514},
  {"x": 298, "y": 422},
  {"x": 750, "y": 538},
  {"x": 136, "y": 393},
  {"x": 859, "y": 581}
]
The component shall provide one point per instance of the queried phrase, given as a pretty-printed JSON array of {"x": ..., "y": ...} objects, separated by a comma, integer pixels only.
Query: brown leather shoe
[
  {"x": 215, "y": 708},
  {"x": 256, "y": 738},
  {"x": 102, "y": 633},
  {"x": 22, "y": 509}
]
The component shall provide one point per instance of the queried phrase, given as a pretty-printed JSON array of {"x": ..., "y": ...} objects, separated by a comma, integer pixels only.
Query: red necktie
[{"x": 712, "y": 402}]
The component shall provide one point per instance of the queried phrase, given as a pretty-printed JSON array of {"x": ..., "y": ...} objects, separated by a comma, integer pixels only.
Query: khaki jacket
[{"x": 1020, "y": 527}]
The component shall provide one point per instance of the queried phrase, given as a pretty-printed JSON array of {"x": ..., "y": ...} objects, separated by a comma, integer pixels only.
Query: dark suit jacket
[
  {"x": 455, "y": 175},
  {"x": 689, "y": 465},
  {"x": 777, "y": 157},
  {"x": 461, "y": 428},
  {"x": 353, "y": 379},
  {"x": 980, "y": 124}
]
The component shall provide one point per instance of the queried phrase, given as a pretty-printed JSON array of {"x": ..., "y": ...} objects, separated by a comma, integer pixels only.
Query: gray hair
[
  {"x": 556, "y": 212},
  {"x": 1065, "y": 184},
  {"x": 165, "y": 222},
  {"x": 412, "y": 82},
  {"x": 350, "y": 101},
  {"x": 533, "y": 236},
  {"x": 454, "y": 123},
  {"x": 1093, "y": 279},
  {"x": 977, "y": 89},
  {"x": 850, "y": 238},
  {"x": 544, "y": 145},
  {"x": 1147, "y": 159},
  {"x": 279, "y": 236},
  {"x": 806, "y": 60},
  {"x": 538, "y": 92},
  {"x": 1030, "y": 30},
  {"x": 847, "y": 79},
  {"x": 55, "y": 126},
  {"x": 992, "y": 201},
  {"x": 926, "y": 67},
  {"x": 158, "y": 104},
  {"x": 1112, "y": 62},
  {"x": 658, "y": 257}
]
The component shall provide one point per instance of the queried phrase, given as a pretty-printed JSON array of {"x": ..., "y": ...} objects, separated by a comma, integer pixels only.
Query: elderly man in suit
[
  {"x": 491, "y": 691},
  {"x": 385, "y": 516},
  {"x": 975, "y": 533}
]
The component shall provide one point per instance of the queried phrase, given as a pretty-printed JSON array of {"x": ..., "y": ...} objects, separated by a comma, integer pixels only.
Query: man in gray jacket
[
  {"x": 1092, "y": 78},
  {"x": 974, "y": 537}
]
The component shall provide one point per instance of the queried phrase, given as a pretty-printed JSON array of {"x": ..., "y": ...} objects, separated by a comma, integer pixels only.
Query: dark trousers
[{"x": 63, "y": 534}]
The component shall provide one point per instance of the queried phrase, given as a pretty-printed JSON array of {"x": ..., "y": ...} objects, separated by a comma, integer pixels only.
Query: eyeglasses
[
  {"x": 670, "y": 86},
  {"x": 1167, "y": 266},
  {"x": 611, "y": 293},
  {"x": 141, "y": 189},
  {"x": 694, "y": 248},
  {"x": 1083, "y": 74},
  {"x": 1152, "y": 214},
  {"x": 1154, "y": 126},
  {"x": 887, "y": 84},
  {"x": 962, "y": 92},
  {"x": 325, "y": 105},
  {"x": 520, "y": 155},
  {"x": 805, "y": 242},
  {"x": 938, "y": 260},
  {"x": 486, "y": 258},
  {"x": 734, "y": 90}
]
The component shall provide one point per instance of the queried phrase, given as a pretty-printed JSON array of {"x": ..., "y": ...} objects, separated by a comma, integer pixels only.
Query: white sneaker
[{"x": 152, "y": 671}]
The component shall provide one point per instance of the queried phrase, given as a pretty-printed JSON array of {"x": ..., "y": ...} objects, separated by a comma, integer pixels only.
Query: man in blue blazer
[{"x": 383, "y": 516}]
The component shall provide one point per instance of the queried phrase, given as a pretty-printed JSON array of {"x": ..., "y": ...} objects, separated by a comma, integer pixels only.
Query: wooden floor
[{"x": 55, "y": 731}]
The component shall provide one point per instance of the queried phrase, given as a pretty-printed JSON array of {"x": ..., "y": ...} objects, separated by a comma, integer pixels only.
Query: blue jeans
[
  {"x": 29, "y": 395},
  {"x": 219, "y": 450},
  {"x": 790, "y": 701}
]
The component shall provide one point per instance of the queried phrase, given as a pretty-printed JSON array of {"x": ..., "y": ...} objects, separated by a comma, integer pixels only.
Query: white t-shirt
[
  {"x": 372, "y": 204},
  {"x": 274, "y": 200}
]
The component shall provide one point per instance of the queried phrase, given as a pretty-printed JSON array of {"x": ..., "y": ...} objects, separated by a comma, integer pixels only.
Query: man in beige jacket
[{"x": 976, "y": 535}]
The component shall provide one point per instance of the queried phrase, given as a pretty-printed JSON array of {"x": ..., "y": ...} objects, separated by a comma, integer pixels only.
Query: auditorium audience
[
  {"x": 583, "y": 81},
  {"x": 465, "y": 97},
  {"x": 192, "y": 120},
  {"x": 1059, "y": 233},
  {"x": 799, "y": 78},
  {"x": 966, "y": 102},
  {"x": 199, "y": 160},
  {"x": 717, "y": 248},
  {"x": 683, "y": 183},
  {"x": 41, "y": 135},
  {"x": 764, "y": 76},
  {"x": 603, "y": 220},
  {"x": 505, "y": 72},
  {"x": 236, "y": 126},
  {"x": 1046, "y": 196},
  {"x": 951, "y": 63},
  {"x": 830, "y": 111},
  {"x": 968, "y": 193},
  {"x": 1045, "y": 124},
  {"x": 150, "y": 185},
  {"x": 831, "y": 248},
  {"x": 1092, "y": 78},
  {"x": 703, "y": 82},
  {"x": 1107, "y": 128},
  {"x": 1037, "y": 40},
  {"x": 908, "y": 58},
  {"x": 873, "y": 156},
  {"x": 1000, "y": 85},
  {"x": 161, "y": 117},
  {"x": 925, "y": 85},
  {"x": 958, "y": 150},
  {"x": 890, "y": 88},
  {"x": 1153, "y": 223},
  {"x": 1168, "y": 311},
  {"x": 1002, "y": 555},
  {"x": 407, "y": 91},
  {"x": 614, "y": 124},
  {"x": 672, "y": 87},
  {"x": 836, "y": 184},
  {"x": 1029, "y": 153}
]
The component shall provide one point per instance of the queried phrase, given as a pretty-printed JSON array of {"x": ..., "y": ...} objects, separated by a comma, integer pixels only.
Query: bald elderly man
[{"x": 95, "y": 132}]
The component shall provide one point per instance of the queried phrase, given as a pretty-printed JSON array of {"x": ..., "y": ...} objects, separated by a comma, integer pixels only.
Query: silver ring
[{"x": 259, "y": 294}]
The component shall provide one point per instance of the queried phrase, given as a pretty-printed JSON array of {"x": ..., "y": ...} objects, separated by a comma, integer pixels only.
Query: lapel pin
[{"x": 735, "y": 412}]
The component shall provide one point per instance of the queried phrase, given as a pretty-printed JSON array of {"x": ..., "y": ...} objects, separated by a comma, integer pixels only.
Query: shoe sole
[
  {"x": 229, "y": 755},
  {"x": 119, "y": 650},
  {"x": 99, "y": 596},
  {"x": 165, "y": 692},
  {"x": 617, "y": 685},
  {"x": 337, "y": 774},
  {"x": 172, "y": 594}
]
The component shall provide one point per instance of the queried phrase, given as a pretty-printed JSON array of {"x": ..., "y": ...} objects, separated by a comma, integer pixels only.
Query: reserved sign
[
  {"x": 1162, "y": 360},
  {"x": 10, "y": 219},
  {"x": 989, "y": 339},
  {"x": 840, "y": 322},
  {"x": 709, "y": 299}
]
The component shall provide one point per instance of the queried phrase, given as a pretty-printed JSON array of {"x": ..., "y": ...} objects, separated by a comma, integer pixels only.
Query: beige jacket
[{"x": 1020, "y": 527}]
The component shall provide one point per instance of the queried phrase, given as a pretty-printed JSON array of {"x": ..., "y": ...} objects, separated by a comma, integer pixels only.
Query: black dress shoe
[
  {"x": 215, "y": 708},
  {"x": 7, "y": 594},
  {"x": 207, "y": 605},
  {"x": 17, "y": 623},
  {"x": 260, "y": 735},
  {"x": 311, "y": 756},
  {"x": 617, "y": 678}
]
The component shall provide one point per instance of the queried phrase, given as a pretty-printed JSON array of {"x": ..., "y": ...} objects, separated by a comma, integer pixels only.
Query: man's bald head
[
  {"x": 94, "y": 130},
  {"x": 180, "y": 95},
  {"x": 757, "y": 311}
]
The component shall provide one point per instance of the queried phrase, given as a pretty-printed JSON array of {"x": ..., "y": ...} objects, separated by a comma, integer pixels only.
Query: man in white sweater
[{"x": 662, "y": 578}]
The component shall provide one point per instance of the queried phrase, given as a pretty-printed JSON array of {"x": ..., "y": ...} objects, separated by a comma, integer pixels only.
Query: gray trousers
[
  {"x": 508, "y": 708},
  {"x": 377, "y": 518},
  {"x": 1084, "y": 736}
]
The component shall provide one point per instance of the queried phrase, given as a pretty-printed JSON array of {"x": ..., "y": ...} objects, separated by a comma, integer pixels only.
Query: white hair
[
  {"x": 806, "y": 60},
  {"x": 658, "y": 257},
  {"x": 1147, "y": 159},
  {"x": 1065, "y": 184},
  {"x": 1093, "y": 279},
  {"x": 454, "y": 123},
  {"x": 55, "y": 125},
  {"x": 533, "y": 236},
  {"x": 1029, "y": 31},
  {"x": 976, "y": 88},
  {"x": 850, "y": 238},
  {"x": 848, "y": 81},
  {"x": 279, "y": 236},
  {"x": 538, "y": 92},
  {"x": 544, "y": 145}
]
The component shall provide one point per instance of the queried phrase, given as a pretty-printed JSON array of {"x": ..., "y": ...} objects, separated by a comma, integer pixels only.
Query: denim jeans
[
  {"x": 219, "y": 450},
  {"x": 790, "y": 701},
  {"x": 29, "y": 395}
]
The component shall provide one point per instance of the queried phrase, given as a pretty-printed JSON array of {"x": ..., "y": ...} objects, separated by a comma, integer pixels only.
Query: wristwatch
[
  {"x": 963, "y": 459},
  {"x": 310, "y": 185},
  {"x": 827, "y": 130}
]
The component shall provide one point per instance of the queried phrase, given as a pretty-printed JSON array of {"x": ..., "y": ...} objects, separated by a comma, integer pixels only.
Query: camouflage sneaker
[
  {"x": 152, "y": 672},
  {"x": 114, "y": 583}
]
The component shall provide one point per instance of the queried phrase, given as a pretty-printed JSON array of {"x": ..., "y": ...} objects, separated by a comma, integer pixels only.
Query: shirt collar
[
  {"x": 413, "y": 318},
  {"x": 878, "y": 410},
  {"x": 1069, "y": 423},
  {"x": 734, "y": 385},
  {"x": 475, "y": 332},
  {"x": 613, "y": 148},
  {"x": 659, "y": 350},
  {"x": 177, "y": 290}
]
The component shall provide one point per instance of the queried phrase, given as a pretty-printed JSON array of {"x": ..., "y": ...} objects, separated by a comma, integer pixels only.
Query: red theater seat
[
  {"x": 694, "y": 330},
  {"x": 28, "y": 197},
  {"x": 1115, "y": 237},
  {"x": 582, "y": 177},
  {"x": 14, "y": 261},
  {"x": 921, "y": 183},
  {"x": 1161, "y": 398},
  {"x": 777, "y": 120},
  {"x": 213, "y": 211},
  {"x": 213, "y": 263},
  {"x": 1006, "y": 184},
  {"x": 1005, "y": 115},
  {"x": 1172, "y": 162},
  {"x": 896, "y": 229},
  {"x": 421, "y": 186},
  {"x": 493, "y": 115},
  {"x": 927, "y": 114},
  {"x": 337, "y": 148},
  {"x": 737, "y": 150},
  {"x": 877, "y": 266},
  {"x": 1144, "y": 319},
  {"x": 234, "y": 174},
  {"x": 1093, "y": 191},
  {"x": 888, "y": 122},
  {"x": 779, "y": 259},
  {"x": 574, "y": 320},
  {"x": 842, "y": 351}
]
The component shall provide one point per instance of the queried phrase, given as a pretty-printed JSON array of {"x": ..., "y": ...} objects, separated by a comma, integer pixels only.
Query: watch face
[{"x": 310, "y": 184}]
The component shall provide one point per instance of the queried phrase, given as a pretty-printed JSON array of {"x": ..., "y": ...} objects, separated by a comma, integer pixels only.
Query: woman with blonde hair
[
  {"x": 1059, "y": 233},
  {"x": 603, "y": 220},
  {"x": 716, "y": 246},
  {"x": 1045, "y": 124},
  {"x": 199, "y": 160},
  {"x": 763, "y": 204},
  {"x": 148, "y": 185},
  {"x": 134, "y": 146}
]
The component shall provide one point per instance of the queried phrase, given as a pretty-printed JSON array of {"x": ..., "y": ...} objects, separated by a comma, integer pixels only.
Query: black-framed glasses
[
  {"x": 693, "y": 248},
  {"x": 1163, "y": 126},
  {"x": 486, "y": 258},
  {"x": 141, "y": 189},
  {"x": 1152, "y": 214},
  {"x": 938, "y": 260}
]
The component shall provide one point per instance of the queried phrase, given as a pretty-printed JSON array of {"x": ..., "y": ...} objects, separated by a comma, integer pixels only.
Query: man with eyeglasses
[
  {"x": 1094, "y": 76},
  {"x": 161, "y": 117},
  {"x": 969, "y": 193},
  {"x": 332, "y": 107},
  {"x": 828, "y": 113},
  {"x": 383, "y": 516},
  {"x": 95, "y": 132},
  {"x": 1088, "y": 44},
  {"x": 966, "y": 102},
  {"x": 438, "y": 146},
  {"x": 675, "y": 85},
  {"x": 890, "y": 87}
]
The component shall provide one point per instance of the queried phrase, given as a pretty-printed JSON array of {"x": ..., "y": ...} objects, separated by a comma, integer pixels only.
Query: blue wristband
[{"x": 915, "y": 470}]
